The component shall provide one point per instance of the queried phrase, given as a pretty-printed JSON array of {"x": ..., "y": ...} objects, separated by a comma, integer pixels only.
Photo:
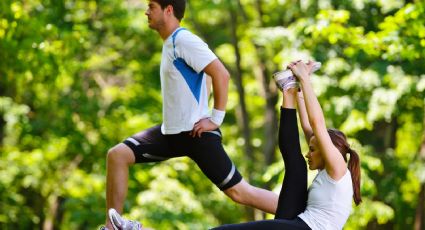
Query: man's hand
[{"x": 201, "y": 126}]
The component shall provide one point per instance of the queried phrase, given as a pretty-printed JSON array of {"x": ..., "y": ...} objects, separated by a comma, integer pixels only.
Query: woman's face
[{"x": 314, "y": 157}]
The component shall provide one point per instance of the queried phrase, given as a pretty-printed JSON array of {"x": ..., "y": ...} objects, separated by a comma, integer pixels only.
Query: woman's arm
[
  {"x": 302, "y": 113},
  {"x": 334, "y": 162}
]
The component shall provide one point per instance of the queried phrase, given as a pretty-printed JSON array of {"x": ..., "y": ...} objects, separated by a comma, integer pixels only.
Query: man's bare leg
[
  {"x": 246, "y": 194},
  {"x": 119, "y": 158}
]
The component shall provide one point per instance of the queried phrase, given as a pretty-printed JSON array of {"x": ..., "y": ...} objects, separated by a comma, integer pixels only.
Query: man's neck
[{"x": 167, "y": 30}]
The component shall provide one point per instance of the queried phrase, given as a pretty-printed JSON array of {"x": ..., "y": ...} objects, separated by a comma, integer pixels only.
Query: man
[{"x": 188, "y": 129}]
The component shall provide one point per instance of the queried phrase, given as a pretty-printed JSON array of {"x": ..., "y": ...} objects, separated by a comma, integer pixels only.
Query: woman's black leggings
[{"x": 293, "y": 196}]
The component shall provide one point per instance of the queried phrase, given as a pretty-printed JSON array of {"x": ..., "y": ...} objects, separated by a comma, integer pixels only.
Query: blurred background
[{"x": 79, "y": 76}]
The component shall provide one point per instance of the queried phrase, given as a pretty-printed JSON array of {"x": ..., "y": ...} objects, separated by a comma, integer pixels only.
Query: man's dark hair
[{"x": 179, "y": 6}]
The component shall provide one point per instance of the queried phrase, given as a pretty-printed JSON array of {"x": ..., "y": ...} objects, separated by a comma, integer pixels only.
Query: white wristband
[{"x": 217, "y": 116}]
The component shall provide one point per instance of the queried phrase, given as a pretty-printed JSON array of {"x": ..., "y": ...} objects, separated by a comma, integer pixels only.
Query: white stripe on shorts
[
  {"x": 150, "y": 156},
  {"x": 229, "y": 177},
  {"x": 134, "y": 141},
  {"x": 214, "y": 132}
]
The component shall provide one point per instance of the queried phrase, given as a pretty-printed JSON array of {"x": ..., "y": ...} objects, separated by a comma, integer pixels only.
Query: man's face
[{"x": 155, "y": 15}]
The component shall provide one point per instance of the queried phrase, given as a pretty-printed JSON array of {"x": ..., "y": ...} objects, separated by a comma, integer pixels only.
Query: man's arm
[
  {"x": 220, "y": 84},
  {"x": 209, "y": 84}
]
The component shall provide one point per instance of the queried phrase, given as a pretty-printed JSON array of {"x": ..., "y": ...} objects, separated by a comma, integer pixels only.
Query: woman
[{"x": 327, "y": 203}]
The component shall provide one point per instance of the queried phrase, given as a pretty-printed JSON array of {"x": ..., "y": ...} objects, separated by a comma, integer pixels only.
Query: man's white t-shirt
[
  {"x": 181, "y": 109},
  {"x": 329, "y": 202}
]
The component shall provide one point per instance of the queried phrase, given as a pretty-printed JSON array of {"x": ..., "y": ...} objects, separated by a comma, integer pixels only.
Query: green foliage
[{"x": 76, "y": 77}]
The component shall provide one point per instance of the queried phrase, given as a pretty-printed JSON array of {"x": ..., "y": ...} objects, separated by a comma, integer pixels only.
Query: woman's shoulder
[{"x": 346, "y": 176}]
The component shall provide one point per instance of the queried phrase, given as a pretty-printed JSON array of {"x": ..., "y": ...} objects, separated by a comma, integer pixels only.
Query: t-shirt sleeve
[
  {"x": 193, "y": 50},
  {"x": 329, "y": 178}
]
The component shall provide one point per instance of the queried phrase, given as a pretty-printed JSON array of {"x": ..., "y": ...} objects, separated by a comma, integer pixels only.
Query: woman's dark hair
[
  {"x": 340, "y": 141},
  {"x": 179, "y": 6}
]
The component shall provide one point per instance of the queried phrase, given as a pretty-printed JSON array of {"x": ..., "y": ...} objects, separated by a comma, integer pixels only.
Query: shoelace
[
  {"x": 289, "y": 82},
  {"x": 133, "y": 224}
]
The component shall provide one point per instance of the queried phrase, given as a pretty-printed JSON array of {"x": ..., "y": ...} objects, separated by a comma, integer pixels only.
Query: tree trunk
[
  {"x": 420, "y": 212},
  {"x": 242, "y": 113},
  {"x": 54, "y": 213},
  {"x": 2, "y": 126},
  {"x": 271, "y": 96},
  {"x": 53, "y": 203},
  {"x": 419, "y": 216}
]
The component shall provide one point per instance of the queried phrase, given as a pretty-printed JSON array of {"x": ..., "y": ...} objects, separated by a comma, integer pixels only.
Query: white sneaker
[
  {"x": 120, "y": 223},
  {"x": 316, "y": 66},
  {"x": 285, "y": 79}
]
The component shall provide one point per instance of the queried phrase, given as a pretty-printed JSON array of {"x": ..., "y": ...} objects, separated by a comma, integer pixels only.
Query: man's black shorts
[{"x": 207, "y": 151}]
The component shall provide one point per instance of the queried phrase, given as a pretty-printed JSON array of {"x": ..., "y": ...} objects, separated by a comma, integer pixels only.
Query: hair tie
[{"x": 349, "y": 151}]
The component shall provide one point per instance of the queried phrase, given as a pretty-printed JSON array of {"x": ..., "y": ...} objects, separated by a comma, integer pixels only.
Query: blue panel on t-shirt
[{"x": 193, "y": 79}]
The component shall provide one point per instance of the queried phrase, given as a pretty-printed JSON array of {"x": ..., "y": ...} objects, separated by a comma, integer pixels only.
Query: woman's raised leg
[{"x": 293, "y": 195}]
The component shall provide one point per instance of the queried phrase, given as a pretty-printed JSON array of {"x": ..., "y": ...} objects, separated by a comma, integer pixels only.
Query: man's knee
[{"x": 120, "y": 154}]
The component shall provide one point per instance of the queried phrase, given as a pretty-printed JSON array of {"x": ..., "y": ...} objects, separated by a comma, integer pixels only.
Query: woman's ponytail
[
  {"x": 340, "y": 141},
  {"x": 354, "y": 167}
]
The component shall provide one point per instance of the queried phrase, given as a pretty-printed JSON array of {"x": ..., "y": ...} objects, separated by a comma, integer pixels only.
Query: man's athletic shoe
[
  {"x": 103, "y": 228},
  {"x": 285, "y": 79},
  {"x": 120, "y": 223}
]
